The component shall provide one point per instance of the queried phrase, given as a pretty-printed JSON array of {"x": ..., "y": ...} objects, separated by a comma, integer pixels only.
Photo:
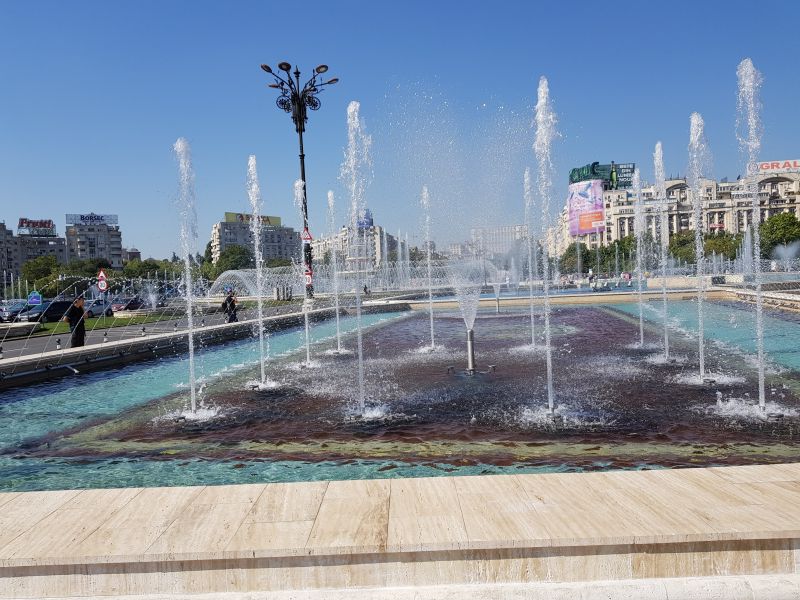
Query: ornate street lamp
[{"x": 296, "y": 100}]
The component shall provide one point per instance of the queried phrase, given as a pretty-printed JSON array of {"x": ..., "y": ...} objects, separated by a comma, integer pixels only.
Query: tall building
[
  {"x": 497, "y": 241},
  {"x": 362, "y": 253},
  {"x": 9, "y": 253},
  {"x": 277, "y": 242},
  {"x": 38, "y": 237},
  {"x": 91, "y": 236}
]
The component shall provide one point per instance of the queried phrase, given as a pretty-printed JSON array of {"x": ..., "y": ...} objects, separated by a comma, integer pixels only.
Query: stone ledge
[{"x": 757, "y": 587}]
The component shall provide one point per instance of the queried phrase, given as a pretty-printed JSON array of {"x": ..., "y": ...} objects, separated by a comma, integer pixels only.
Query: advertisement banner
[
  {"x": 585, "y": 206},
  {"x": 91, "y": 219},
  {"x": 36, "y": 227},
  {"x": 231, "y": 217},
  {"x": 616, "y": 176},
  {"x": 779, "y": 166}
]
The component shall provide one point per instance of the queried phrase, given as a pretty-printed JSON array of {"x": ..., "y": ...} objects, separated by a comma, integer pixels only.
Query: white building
[
  {"x": 277, "y": 242},
  {"x": 91, "y": 236},
  {"x": 497, "y": 241},
  {"x": 726, "y": 207}
]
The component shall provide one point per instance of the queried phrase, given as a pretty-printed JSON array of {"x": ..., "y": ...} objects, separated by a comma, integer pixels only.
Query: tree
[
  {"x": 234, "y": 257},
  {"x": 208, "y": 256},
  {"x": 278, "y": 262},
  {"x": 569, "y": 260},
  {"x": 41, "y": 267},
  {"x": 780, "y": 229},
  {"x": 722, "y": 244},
  {"x": 681, "y": 246}
]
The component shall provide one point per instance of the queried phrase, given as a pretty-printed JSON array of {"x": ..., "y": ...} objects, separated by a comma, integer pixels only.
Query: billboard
[
  {"x": 585, "y": 207},
  {"x": 91, "y": 219},
  {"x": 779, "y": 166},
  {"x": 231, "y": 217},
  {"x": 38, "y": 227},
  {"x": 614, "y": 176}
]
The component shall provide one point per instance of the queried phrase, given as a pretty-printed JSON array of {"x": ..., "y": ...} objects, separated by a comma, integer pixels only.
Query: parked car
[
  {"x": 9, "y": 312},
  {"x": 46, "y": 312},
  {"x": 96, "y": 308},
  {"x": 127, "y": 304}
]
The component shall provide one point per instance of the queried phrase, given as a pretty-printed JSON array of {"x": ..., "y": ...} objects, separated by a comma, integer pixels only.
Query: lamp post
[{"x": 296, "y": 100}]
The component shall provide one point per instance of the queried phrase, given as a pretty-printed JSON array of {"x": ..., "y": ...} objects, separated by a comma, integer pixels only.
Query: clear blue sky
[{"x": 95, "y": 93}]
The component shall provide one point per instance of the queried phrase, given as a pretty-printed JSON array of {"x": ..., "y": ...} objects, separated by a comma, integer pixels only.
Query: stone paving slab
[
  {"x": 756, "y": 587},
  {"x": 346, "y": 534},
  {"x": 401, "y": 515}
]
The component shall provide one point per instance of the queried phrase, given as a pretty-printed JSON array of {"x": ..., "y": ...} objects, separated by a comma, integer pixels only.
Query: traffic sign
[
  {"x": 306, "y": 235},
  {"x": 34, "y": 298},
  {"x": 102, "y": 275},
  {"x": 102, "y": 285},
  {"x": 308, "y": 278}
]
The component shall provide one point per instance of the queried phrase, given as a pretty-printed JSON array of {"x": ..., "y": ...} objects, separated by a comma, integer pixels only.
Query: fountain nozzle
[{"x": 470, "y": 352}]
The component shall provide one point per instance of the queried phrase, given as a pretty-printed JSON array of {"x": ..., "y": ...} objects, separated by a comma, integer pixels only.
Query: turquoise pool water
[
  {"x": 41, "y": 409},
  {"x": 728, "y": 324}
]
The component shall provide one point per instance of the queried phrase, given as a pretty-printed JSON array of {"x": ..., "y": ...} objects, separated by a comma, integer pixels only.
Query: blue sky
[{"x": 95, "y": 93}]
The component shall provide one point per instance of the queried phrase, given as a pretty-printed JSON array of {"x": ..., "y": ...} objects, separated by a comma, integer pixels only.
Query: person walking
[
  {"x": 229, "y": 307},
  {"x": 76, "y": 317}
]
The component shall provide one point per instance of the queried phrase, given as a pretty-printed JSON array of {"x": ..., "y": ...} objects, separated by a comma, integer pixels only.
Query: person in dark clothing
[
  {"x": 229, "y": 306},
  {"x": 76, "y": 317}
]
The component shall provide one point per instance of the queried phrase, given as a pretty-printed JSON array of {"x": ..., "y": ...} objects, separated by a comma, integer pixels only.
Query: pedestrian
[
  {"x": 229, "y": 307},
  {"x": 76, "y": 317},
  {"x": 234, "y": 308}
]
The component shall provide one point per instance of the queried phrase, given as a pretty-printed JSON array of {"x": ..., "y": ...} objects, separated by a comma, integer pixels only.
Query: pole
[{"x": 299, "y": 113}]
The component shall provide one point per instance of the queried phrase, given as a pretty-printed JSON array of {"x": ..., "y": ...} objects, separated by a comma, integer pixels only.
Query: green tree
[
  {"x": 569, "y": 260},
  {"x": 277, "y": 262},
  {"x": 783, "y": 228},
  {"x": 681, "y": 246},
  {"x": 722, "y": 244},
  {"x": 208, "y": 256},
  {"x": 234, "y": 257},
  {"x": 41, "y": 267}
]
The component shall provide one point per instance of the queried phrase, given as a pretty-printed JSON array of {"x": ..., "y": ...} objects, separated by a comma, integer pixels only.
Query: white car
[{"x": 97, "y": 308}]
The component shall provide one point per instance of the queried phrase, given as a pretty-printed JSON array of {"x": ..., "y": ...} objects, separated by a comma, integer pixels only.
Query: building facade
[
  {"x": 38, "y": 237},
  {"x": 277, "y": 242},
  {"x": 9, "y": 253},
  {"x": 129, "y": 254},
  {"x": 91, "y": 237},
  {"x": 497, "y": 241},
  {"x": 364, "y": 252},
  {"x": 726, "y": 206}
]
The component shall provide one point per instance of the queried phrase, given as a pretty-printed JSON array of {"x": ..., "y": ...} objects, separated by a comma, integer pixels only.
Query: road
[{"x": 12, "y": 348}]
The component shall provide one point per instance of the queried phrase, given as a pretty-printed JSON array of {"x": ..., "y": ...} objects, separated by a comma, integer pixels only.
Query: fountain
[
  {"x": 299, "y": 192},
  {"x": 254, "y": 193},
  {"x": 426, "y": 201},
  {"x": 638, "y": 229},
  {"x": 334, "y": 265},
  {"x": 545, "y": 132},
  {"x": 467, "y": 281},
  {"x": 663, "y": 237},
  {"x": 354, "y": 172},
  {"x": 513, "y": 276},
  {"x": 186, "y": 203},
  {"x": 699, "y": 160},
  {"x": 749, "y": 131},
  {"x": 528, "y": 194}
]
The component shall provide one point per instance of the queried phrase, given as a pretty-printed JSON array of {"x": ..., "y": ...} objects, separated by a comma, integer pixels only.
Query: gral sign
[
  {"x": 614, "y": 176},
  {"x": 91, "y": 219},
  {"x": 585, "y": 206},
  {"x": 38, "y": 227},
  {"x": 779, "y": 166},
  {"x": 231, "y": 217}
]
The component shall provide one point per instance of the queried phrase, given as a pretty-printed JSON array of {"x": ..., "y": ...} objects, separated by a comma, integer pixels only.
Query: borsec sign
[{"x": 34, "y": 298}]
